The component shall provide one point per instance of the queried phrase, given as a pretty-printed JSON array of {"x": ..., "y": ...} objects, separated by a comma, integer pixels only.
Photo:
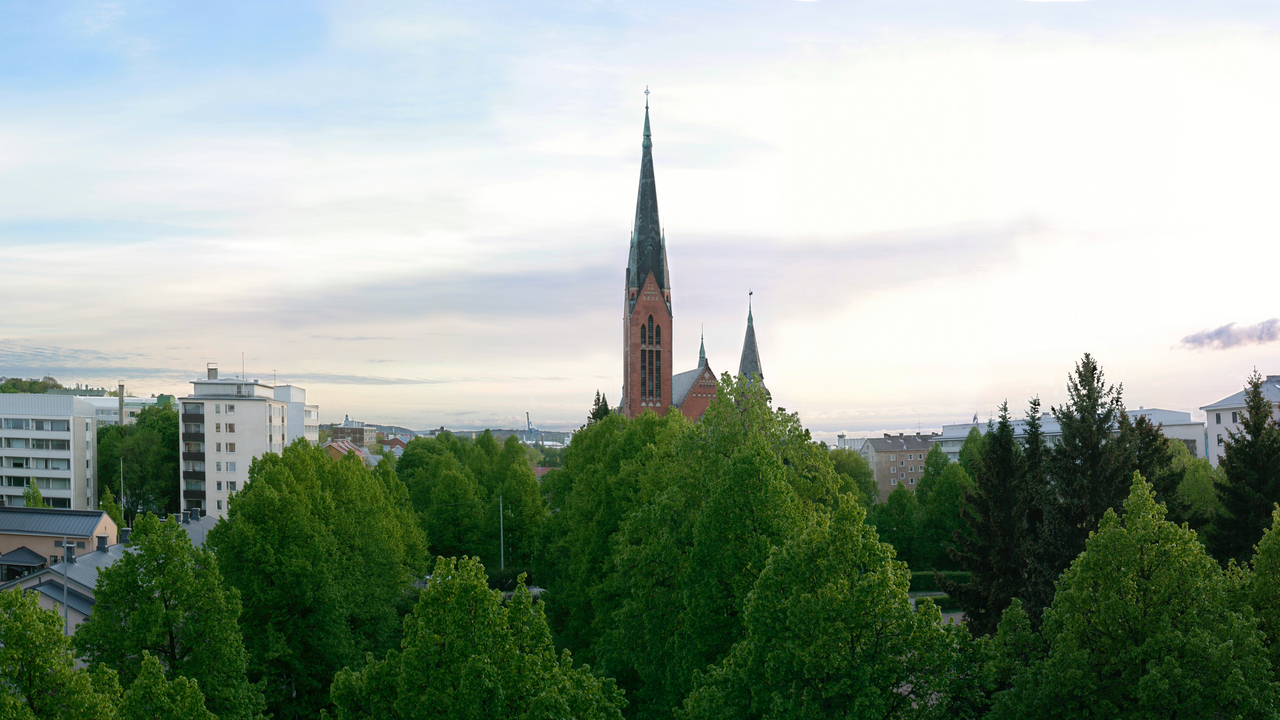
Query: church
[{"x": 647, "y": 361}]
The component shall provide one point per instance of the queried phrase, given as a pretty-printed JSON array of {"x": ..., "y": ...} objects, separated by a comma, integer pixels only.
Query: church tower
[{"x": 646, "y": 317}]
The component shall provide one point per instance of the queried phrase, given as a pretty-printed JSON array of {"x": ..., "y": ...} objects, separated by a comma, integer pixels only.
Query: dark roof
[
  {"x": 46, "y": 521},
  {"x": 902, "y": 442},
  {"x": 681, "y": 384},
  {"x": 23, "y": 557},
  {"x": 750, "y": 363},
  {"x": 648, "y": 246},
  {"x": 76, "y": 600},
  {"x": 1270, "y": 390}
]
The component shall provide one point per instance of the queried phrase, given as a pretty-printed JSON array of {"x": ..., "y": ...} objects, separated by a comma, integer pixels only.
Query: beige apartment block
[{"x": 897, "y": 459}]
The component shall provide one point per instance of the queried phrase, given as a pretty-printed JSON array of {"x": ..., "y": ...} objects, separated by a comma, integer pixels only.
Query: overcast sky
[{"x": 420, "y": 212}]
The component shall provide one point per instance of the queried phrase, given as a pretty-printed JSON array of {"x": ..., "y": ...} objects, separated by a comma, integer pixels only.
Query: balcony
[
  {"x": 193, "y": 494},
  {"x": 193, "y": 475},
  {"x": 192, "y": 418},
  {"x": 192, "y": 437},
  {"x": 193, "y": 456}
]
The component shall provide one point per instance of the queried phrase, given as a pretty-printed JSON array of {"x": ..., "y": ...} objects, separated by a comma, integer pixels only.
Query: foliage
[
  {"x": 935, "y": 463},
  {"x": 1040, "y": 557},
  {"x": 166, "y": 598},
  {"x": 828, "y": 632},
  {"x": 150, "y": 451},
  {"x": 153, "y": 696},
  {"x": 109, "y": 506},
  {"x": 941, "y": 516},
  {"x": 897, "y": 520},
  {"x": 1263, "y": 588},
  {"x": 323, "y": 553},
  {"x": 465, "y": 655},
  {"x": 31, "y": 496},
  {"x": 992, "y": 548},
  {"x": 927, "y": 580},
  {"x": 1197, "y": 493},
  {"x": 1251, "y": 463},
  {"x": 971, "y": 451},
  {"x": 599, "y": 409},
  {"x": 856, "y": 475},
  {"x": 1141, "y": 627},
  {"x": 38, "y": 674},
  {"x": 18, "y": 385}
]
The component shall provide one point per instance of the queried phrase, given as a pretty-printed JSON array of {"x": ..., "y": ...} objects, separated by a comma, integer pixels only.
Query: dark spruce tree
[
  {"x": 1251, "y": 463},
  {"x": 1039, "y": 567},
  {"x": 599, "y": 409},
  {"x": 991, "y": 549},
  {"x": 1153, "y": 457},
  {"x": 1088, "y": 466}
]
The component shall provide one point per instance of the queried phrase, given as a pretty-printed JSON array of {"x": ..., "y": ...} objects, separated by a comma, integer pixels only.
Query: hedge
[{"x": 924, "y": 582}]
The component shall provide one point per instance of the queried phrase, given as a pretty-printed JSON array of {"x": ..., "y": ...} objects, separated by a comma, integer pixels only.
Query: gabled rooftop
[
  {"x": 1270, "y": 390},
  {"x": 50, "y": 522}
]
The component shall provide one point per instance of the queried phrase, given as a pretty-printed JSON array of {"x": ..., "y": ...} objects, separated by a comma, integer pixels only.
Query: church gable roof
[{"x": 648, "y": 246}]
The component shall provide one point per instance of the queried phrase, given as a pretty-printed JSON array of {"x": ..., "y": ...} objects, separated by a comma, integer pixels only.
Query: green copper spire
[
  {"x": 648, "y": 246},
  {"x": 750, "y": 363},
  {"x": 702, "y": 349}
]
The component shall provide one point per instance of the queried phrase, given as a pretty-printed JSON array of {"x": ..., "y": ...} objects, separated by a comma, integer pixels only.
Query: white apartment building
[
  {"x": 107, "y": 409},
  {"x": 1174, "y": 424},
  {"x": 304, "y": 419},
  {"x": 226, "y": 423},
  {"x": 50, "y": 441},
  {"x": 1225, "y": 415}
]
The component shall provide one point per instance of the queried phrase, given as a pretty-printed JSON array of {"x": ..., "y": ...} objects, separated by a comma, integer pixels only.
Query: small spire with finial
[
  {"x": 646, "y": 97},
  {"x": 702, "y": 346}
]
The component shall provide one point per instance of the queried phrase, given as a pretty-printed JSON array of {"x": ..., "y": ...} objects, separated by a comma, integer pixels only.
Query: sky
[{"x": 420, "y": 212}]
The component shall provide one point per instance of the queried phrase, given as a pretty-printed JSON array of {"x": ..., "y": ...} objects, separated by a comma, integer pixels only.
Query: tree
[
  {"x": 39, "y": 387},
  {"x": 828, "y": 632},
  {"x": 1251, "y": 462},
  {"x": 153, "y": 696},
  {"x": 1040, "y": 556},
  {"x": 897, "y": 520},
  {"x": 148, "y": 452},
  {"x": 1263, "y": 588},
  {"x": 38, "y": 674},
  {"x": 992, "y": 549},
  {"x": 942, "y": 516},
  {"x": 1088, "y": 466},
  {"x": 857, "y": 475},
  {"x": 166, "y": 598},
  {"x": 599, "y": 409},
  {"x": 324, "y": 553},
  {"x": 113, "y": 510},
  {"x": 466, "y": 655},
  {"x": 31, "y": 496},
  {"x": 935, "y": 463},
  {"x": 1141, "y": 627},
  {"x": 1153, "y": 457},
  {"x": 1197, "y": 494},
  {"x": 971, "y": 451}
]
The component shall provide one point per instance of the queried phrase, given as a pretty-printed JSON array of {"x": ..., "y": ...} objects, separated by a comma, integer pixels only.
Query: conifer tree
[
  {"x": 1039, "y": 561},
  {"x": 992, "y": 549},
  {"x": 1251, "y": 463},
  {"x": 599, "y": 409}
]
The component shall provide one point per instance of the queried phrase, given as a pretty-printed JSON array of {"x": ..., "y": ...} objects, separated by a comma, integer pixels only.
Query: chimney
[
  {"x": 124, "y": 535},
  {"x": 186, "y": 517},
  {"x": 120, "y": 393},
  {"x": 69, "y": 554},
  {"x": 195, "y": 514},
  {"x": 102, "y": 543},
  {"x": 212, "y": 369}
]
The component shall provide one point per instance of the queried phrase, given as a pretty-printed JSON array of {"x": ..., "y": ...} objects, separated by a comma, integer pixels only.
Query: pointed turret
[
  {"x": 648, "y": 246},
  {"x": 702, "y": 350},
  {"x": 750, "y": 363}
]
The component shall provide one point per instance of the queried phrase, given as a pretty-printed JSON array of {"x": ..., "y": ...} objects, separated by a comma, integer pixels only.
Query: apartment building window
[
  {"x": 231, "y": 427},
  {"x": 217, "y": 427},
  {"x": 16, "y": 443},
  {"x": 901, "y": 463},
  {"x": 231, "y": 467},
  {"x": 231, "y": 487},
  {"x": 192, "y": 408},
  {"x": 231, "y": 447},
  {"x": 16, "y": 424},
  {"x": 893, "y": 471},
  {"x": 217, "y": 467},
  {"x": 193, "y": 428},
  {"x": 219, "y": 484},
  {"x": 219, "y": 504},
  {"x": 893, "y": 481},
  {"x": 1217, "y": 418},
  {"x": 1219, "y": 438},
  {"x": 217, "y": 409},
  {"x": 911, "y": 481},
  {"x": 893, "y": 458},
  {"x": 1235, "y": 417},
  {"x": 231, "y": 409},
  {"x": 911, "y": 469},
  {"x": 193, "y": 465},
  {"x": 217, "y": 447}
]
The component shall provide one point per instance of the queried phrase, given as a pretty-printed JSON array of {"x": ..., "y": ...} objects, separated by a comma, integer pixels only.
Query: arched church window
[
  {"x": 657, "y": 363},
  {"x": 648, "y": 385}
]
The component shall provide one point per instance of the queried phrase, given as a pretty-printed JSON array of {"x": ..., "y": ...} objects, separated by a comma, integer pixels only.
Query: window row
[
  {"x": 36, "y": 463},
  {"x": 25, "y": 424},
  {"x": 894, "y": 481},
  {"x": 198, "y": 447},
  {"x": 199, "y": 427},
  {"x": 37, "y": 444},
  {"x": 199, "y": 466},
  {"x": 42, "y": 483}
]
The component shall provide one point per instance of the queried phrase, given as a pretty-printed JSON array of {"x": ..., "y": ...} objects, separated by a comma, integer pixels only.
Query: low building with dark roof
[{"x": 42, "y": 530}]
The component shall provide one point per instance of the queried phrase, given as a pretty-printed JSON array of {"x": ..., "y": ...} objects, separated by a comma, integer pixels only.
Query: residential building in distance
[
  {"x": 354, "y": 432},
  {"x": 304, "y": 419},
  {"x": 1224, "y": 416},
  {"x": 1174, "y": 424},
  {"x": 107, "y": 409},
  {"x": 50, "y": 441},
  {"x": 897, "y": 459},
  {"x": 41, "y": 531},
  {"x": 226, "y": 423}
]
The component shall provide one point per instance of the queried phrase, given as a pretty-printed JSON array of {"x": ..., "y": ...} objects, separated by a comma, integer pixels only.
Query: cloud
[{"x": 1229, "y": 336}]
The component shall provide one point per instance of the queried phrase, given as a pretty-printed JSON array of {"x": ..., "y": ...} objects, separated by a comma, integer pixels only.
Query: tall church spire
[
  {"x": 750, "y": 363},
  {"x": 648, "y": 248}
]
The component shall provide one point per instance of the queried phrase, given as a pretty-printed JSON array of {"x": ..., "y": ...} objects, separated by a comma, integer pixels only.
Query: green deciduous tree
[
  {"x": 466, "y": 655},
  {"x": 1198, "y": 493},
  {"x": 935, "y": 462},
  {"x": 857, "y": 475},
  {"x": 152, "y": 696},
  {"x": 1263, "y": 589},
  {"x": 112, "y": 508},
  {"x": 38, "y": 675},
  {"x": 971, "y": 451},
  {"x": 323, "y": 553},
  {"x": 828, "y": 632},
  {"x": 149, "y": 448},
  {"x": 1251, "y": 462},
  {"x": 897, "y": 520},
  {"x": 167, "y": 598},
  {"x": 1141, "y": 627},
  {"x": 31, "y": 496},
  {"x": 941, "y": 516}
]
